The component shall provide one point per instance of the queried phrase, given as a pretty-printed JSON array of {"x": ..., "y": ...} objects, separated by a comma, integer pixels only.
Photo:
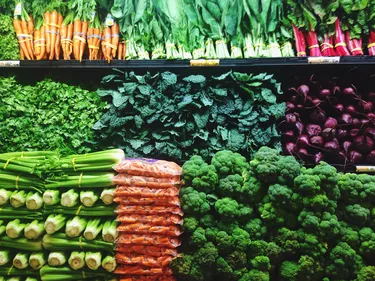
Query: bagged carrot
[
  {"x": 152, "y": 251},
  {"x": 142, "y": 270},
  {"x": 121, "y": 191},
  {"x": 148, "y": 168},
  {"x": 141, "y": 228},
  {"x": 148, "y": 239},
  {"x": 124, "y": 179},
  {"x": 154, "y": 201},
  {"x": 161, "y": 219},
  {"x": 20, "y": 23},
  {"x": 148, "y": 210},
  {"x": 136, "y": 259}
]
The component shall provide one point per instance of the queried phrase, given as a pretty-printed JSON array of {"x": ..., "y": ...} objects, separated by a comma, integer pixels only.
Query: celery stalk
[
  {"x": 14, "y": 228},
  {"x": 107, "y": 196},
  {"x": 51, "y": 197},
  {"x": 109, "y": 263},
  {"x": 14, "y": 279},
  {"x": 109, "y": 232},
  {"x": 77, "y": 260},
  {"x": 4, "y": 196},
  {"x": 31, "y": 279},
  {"x": 37, "y": 260},
  {"x": 75, "y": 227},
  {"x": 18, "y": 198},
  {"x": 93, "y": 229},
  {"x": 2, "y": 229},
  {"x": 88, "y": 198},
  {"x": 69, "y": 198},
  {"x": 21, "y": 260},
  {"x": 34, "y": 230},
  {"x": 34, "y": 201},
  {"x": 4, "y": 257},
  {"x": 93, "y": 260},
  {"x": 56, "y": 259},
  {"x": 54, "y": 223}
]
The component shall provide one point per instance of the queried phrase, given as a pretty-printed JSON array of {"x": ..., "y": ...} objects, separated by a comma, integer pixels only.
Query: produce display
[
  {"x": 233, "y": 111},
  {"x": 8, "y": 43},
  {"x": 330, "y": 120},
  {"x": 273, "y": 219}
]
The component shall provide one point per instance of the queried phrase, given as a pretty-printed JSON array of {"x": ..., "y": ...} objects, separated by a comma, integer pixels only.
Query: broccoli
[
  {"x": 211, "y": 233},
  {"x": 194, "y": 202},
  {"x": 263, "y": 248},
  {"x": 275, "y": 215},
  {"x": 251, "y": 191},
  {"x": 224, "y": 271},
  {"x": 237, "y": 259},
  {"x": 244, "y": 212},
  {"x": 327, "y": 174},
  {"x": 350, "y": 187},
  {"x": 256, "y": 229},
  {"x": 329, "y": 225},
  {"x": 265, "y": 166},
  {"x": 289, "y": 169},
  {"x": 207, "y": 221},
  {"x": 349, "y": 235},
  {"x": 289, "y": 271},
  {"x": 255, "y": 275},
  {"x": 309, "y": 221},
  {"x": 228, "y": 163},
  {"x": 227, "y": 207},
  {"x": 231, "y": 185},
  {"x": 207, "y": 254},
  {"x": 182, "y": 266},
  {"x": 261, "y": 263},
  {"x": 356, "y": 214},
  {"x": 190, "y": 224},
  {"x": 198, "y": 238},
  {"x": 224, "y": 242},
  {"x": 280, "y": 194},
  {"x": 367, "y": 238},
  {"x": 307, "y": 184},
  {"x": 367, "y": 273},
  {"x": 240, "y": 239}
]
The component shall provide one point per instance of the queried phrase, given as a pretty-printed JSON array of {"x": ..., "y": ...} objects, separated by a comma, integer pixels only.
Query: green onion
[
  {"x": 77, "y": 260},
  {"x": 107, "y": 196},
  {"x": 109, "y": 263},
  {"x": 48, "y": 273},
  {"x": 37, "y": 260},
  {"x": 22, "y": 244},
  {"x": 34, "y": 230},
  {"x": 75, "y": 227},
  {"x": 61, "y": 242},
  {"x": 93, "y": 229},
  {"x": 4, "y": 196},
  {"x": 4, "y": 257},
  {"x": 88, "y": 198},
  {"x": 93, "y": 260},
  {"x": 34, "y": 201},
  {"x": 54, "y": 223},
  {"x": 8, "y": 213},
  {"x": 14, "y": 228},
  {"x": 21, "y": 260},
  {"x": 109, "y": 232},
  {"x": 18, "y": 198},
  {"x": 92, "y": 180},
  {"x": 56, "y": 259},
  {"x": 69, "y": 198},
  {"x": 95, "y": 211},
  {"x": 51, "y": 197}
]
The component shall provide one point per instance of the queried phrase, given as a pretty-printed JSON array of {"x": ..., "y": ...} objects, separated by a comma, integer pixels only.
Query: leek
[
  {"x": 69, "y": 198},
  {"x": 22, "y": 244},
  {"x": 54, "y": 223},
  {"x": 88, "y": 198},
  {"x": 18, "y": 198},
  {"x": 109, "y": 232},
  {"x": 34, "y": 201},
  {"x": 77, "y": 260},
  {"x": 51, "y": 197},
  {"x": 4, "y": 196},
  {"x": 56, "y": 259},
  {"x": 107, "y": 196},
  {"x": 93, "y": 229},
  {"x": 92, "y": 180},
  {"x": 37, "y": 260},
  {"x": 99, "y": 210},
  {"x": 4, "y": 257},
  {"x": 75, "y": 226},
  {"x": 34, "y": 230},
  {"x": 93, "y": 260},
  {"x": 21, "y": 260},
  {"x": 109, "y": 263},
  {"x": 14, "y": 228}
]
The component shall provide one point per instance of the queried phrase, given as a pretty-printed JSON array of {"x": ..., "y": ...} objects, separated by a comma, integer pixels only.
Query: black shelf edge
[{"x": 224, "y": 63}]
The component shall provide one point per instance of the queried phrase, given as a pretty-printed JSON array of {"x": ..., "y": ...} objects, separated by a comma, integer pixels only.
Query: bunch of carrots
[{"x": 24, "y": 28}]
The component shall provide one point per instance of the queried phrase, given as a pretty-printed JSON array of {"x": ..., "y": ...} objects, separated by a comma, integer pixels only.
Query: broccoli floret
[
  {"x": 263, "y": 248},
  {"x": 190, "y": 224},
  {"x": 194, "y": 202},
  {"x": 237, "y": 259},
  {"x": 289, "y": 169},
  {"x": 367, "y": 238},
  {"x": 280, "y": 194},
  {"x": 349, "y": 235},
  {"x": 223, "y": 242},
  {"x": 265, "y": 166},
  {"x": 261, "y": 263},
  {"x": 230, "y": 185},
  {"x": 198, "y": 238},
  {"x": 309, "y": 221},
  {"x": 198, "y": 174},
  {"x": 256, "y": 229},
  {"x": 329, "y": 225},
  {"x": 206, "y": 255},
  {"x": 252, "y": 191},
  {"x": 227, "y": 226},
  {"x": 350, "y": 187},
  {"x": 357, "y": 214},
  {"x": 317, "y": 203},
  {"x": 227, "y": 207},
  {"x": 289, "y": 271},
  {"x": 228, "y": 163},
  {"x": 182, "y": 266},
  {"x": 327, "y": 174},
  {"x": 275, "y": 215},
  {"x": 245, "y": 212},
  {"x": 255, "y": 275},
  {"x": 240, "y": 239},
  {"x": 207, "y": 221},
  {"x": 211, "y": 233},
  {"x": 223, "y": 269},
  {"x": 309, "y": 269},
  {"x": 307, "y": 184},
  {"x": 366, "y": 273}
]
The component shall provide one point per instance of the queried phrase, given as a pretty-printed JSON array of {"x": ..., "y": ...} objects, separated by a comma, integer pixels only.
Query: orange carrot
[
  {"x": 63, "y": 34},
  {"x": 30, "y": 30},
  {"x": 70, "y": 43},
  {"x": 58, "y": 37},
  {"x": 115, "y": 38},
  {"x": 27, "y": 39},
  {"x": 77, "y": 38},
  {"x": 18, "y": 28},
  {"x": 98, "y": 39},
  {"x": 22, "y": 56},
  {"x": 37, "y": 43},
  {"x": 85, "y": 26},
  {"x": 43, "y": 43},
  {"x": 90, "y": 42},
  {"x": 107, "y": 43},
  {"x": 47, "y": 19},
  {"x": 120, "y": 51},
  {"x": 53, "y": 30}
]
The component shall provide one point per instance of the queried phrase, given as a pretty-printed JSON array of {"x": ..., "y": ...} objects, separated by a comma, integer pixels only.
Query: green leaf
[{"x": 268, "y": 95}]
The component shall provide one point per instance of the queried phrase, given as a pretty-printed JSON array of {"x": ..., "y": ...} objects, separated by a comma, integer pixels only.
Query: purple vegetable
[
  {"x": 355, "y": 157},
  {"x": 290, "y": 106},
  {"x": 300, "y": 127},
  {"x": 291, "y": 118},
  {"x": 303, "y": 141},
  {"x": 318, "y": 157},
  {"x": 318, "y": 116},
  {"x": 330, "y": 123},
  {"x": 356, "y": 123},
  {"x": 341, "y": 134},
  {"x": 294, "y": 99},
  {"x": 365, "y": 106},
  {"x": 339, "y": 107},
  {"x": 371, "y": 157},
  {"x": 350, "y": 109},
  {"x": 302, "y": 152},
  {"x": 363, "y": 144},
  {"x": 288, "y": 135},
  {"x": 371, "y": 133},
  {"x": 332, "y": 146},
  {"x": 317, "y": 141},
  {"x": 336, "y": 90},
  {"x": 313, "y": 130},
  {"x": 325, "y": 92},
  {"x": 328, "y": 134},
  {"x": 348, "y": 91},
  {"x": 290, "y": 148},
  {"x": 316, "y": 101},
  {"x": 347, "y": 145},
  {"x": 304, "y": 91},
  {"x": 354, "y": 132},
  {"x": 346, "y": 119},
  {"x": 341, "y": 157},
  {"x": 371, "y": 116},
  {"x": 371, "y": 97},
  {"x": 364, "y": 122}
]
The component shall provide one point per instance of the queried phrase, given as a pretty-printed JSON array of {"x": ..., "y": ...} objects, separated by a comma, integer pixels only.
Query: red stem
[
  {"x": 327, "y": 48},
  {"x": 300, "y": 42},
  {"x": 354, "y": 45},
  {"x": 371, "y": 44},
  {"x": 340, "y": 44},
  {"x": 313, "y": 44}
]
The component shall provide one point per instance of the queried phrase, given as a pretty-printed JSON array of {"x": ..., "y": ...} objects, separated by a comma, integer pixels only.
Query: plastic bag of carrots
[
  {"x": 152, "y": 182},
  {"x": 148, "y": 210},
  {"x": 148, "y": 239},
  {"x": 136, "y": 259},
  {"x": 152, "y": 251},
  {"x": 155, "y": 201},
  {"x": 148, "y": 168},
  {"x": 148, "y": 278},
  {"x": 142, "y": 270},
  {"x": 161, "y": 219},
  {"x": 124, "y": 191},
  {"x": 141, "y": 228}
]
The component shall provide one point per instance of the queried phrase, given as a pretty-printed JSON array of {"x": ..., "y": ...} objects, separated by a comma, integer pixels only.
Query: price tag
[
  {"x": 365, "y": 169},
  {"x": 92, "y": 16},
  {"x": 18, "y": 9},
  {"x": 9, "y": 63},
  {"x": 109, "y": 20},
  {"x": 204, "y": 63},
  {"x": 323, "y": 60}
]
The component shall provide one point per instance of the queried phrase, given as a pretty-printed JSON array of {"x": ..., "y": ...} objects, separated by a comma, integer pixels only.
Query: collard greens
[{"x": 172, "y": 117}]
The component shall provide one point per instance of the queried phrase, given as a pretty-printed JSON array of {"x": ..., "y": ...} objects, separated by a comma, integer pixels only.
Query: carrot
[
  {"x": 30, "y": 30},
  {"x": 21, "y": 39},
  {"x": 70, "y": 38},
  {"x": 58, "y": 37},
  {"x": 77, "y": 38},
  {"x": 37, "y": 43},
  {"x": 115, "y": 38},
  {"x": 53, "y": 30},
  {"x": 98, "y": 39},
  {"x": 42, "y": 43},
  {"x": 107, "y": 43},
  {"x": 22, "y": 56},
  {"x": 85, "y": 26},
  {"x": 64, "y": 34},
  {"x": 47, "y": 19},
  {"x": 90, "y": 33},
  {"x": 120, "y": 51},
  {"x": 28, "y": 40}
]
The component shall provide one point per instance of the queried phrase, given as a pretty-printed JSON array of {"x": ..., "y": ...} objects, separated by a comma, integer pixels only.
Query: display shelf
[{"x": 224, "y": 63}]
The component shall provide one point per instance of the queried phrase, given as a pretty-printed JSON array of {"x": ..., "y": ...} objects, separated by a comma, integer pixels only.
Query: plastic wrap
[
  {"x": 151, "y": 219},
  {"x": 150, "y": 240},
  {"x": 122, "y": 191},
  {"x": 124, "y": 179},
  {"x": 142, "y": 270},
  {"x": 141, "y": 228},
  {"x": 148, "y": 278},
  {"x": 149, "y": 201},
  {"x": 148, "y": 168},
  {"x": 152, "y": 251},
  {"x": 148, "y": 210},
  {"x": 136, "y": 259}
]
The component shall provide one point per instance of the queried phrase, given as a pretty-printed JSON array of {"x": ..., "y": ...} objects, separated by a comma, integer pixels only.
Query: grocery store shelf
[{"x": 224, "y": 63}]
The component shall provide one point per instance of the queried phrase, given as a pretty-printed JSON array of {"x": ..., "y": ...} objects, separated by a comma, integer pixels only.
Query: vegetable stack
[{"x": 150, "y": 217}]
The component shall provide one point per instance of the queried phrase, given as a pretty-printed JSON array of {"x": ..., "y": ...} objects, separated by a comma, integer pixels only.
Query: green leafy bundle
[
  {"x": 172, "y": 117},
  {"x": 47, "y": 116},
  {"x": 9, "y": 49}
]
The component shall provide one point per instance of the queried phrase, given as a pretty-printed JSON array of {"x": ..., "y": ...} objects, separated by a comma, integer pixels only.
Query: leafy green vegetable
[{"x": 9, "y": 49}]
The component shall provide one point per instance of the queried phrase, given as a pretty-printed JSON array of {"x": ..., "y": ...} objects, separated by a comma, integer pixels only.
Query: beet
[
  {"x": 303, "y": 154},
  {"x": 300, "y": 127},
  {"x": 313, "y": 130},
  {"x": 339, "y": 107},
  {"x": 303, "y": 141},
  {"x": 325, "y": 92},
  {"x": 366, "y": 106},
  {"x": 354, "y": 132},
  {"x": 371, "y": 157},
  {"x": 348, "y": 91},
  {"x": 328, "y": 134},
  {"x": 318, "y": 116},
  {"x": 332, "y": 146},
  {"x": 330, "y": 123},
  {"x": 336, "y": 90},
  {"x": 317, "y": 141},
  {"x": 371, "y": 116},
  {"x": 363, "y": 144},
  {"x": 341, "y": 158},
  {"x": 347, "y": 145},
  {"x": 295, "y": 99},
  {"x": 346, "y": 119},
  {"x": 364, "y": 122},
  {"x": 356, "y": 123},
  {"x": 355, "y": 157},
  {"x": 289, "y": 148},
  {"x": 318, "y": 157},
  {"x": 288, "y": 135},
  {"x": 290, "y": 106},
  {"x": 303, "y": 90},
  {"x": 341, "y": 134},
  {"x": 316, "y": 101},
  {"x": 371, "y": 133},
  {"x": 350, "y": 109}
]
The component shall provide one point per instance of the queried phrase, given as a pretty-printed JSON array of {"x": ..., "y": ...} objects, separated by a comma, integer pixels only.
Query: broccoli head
[
  {"x": 207, "y": 221},
  {"x": 349, "y": 235},
  {"x": 229, "y": 163},
  {"x": 265, "y": 166},
  {"x": 237, "y": 259},
  {"x": 272, "y": 214},
  {"x": 223, "y": 269},
  {"x": 328, "y": 175},
  {"x": 307, "y": 184},
  {"x": 367, "y": 273},
  {"x": 289, "y": 271},
  {"x": 309, "y": 221},
  {"x": 231, "y": 185},
  {"x": 206, "y": 255},
  {"x": 182, "y": 266},
  {"x": 280, "y": 194},
  {"x": 240, "y": 239},
  {"x": 190, "y": 224},
  {"x": 289, "y": 169},
  {"x": 193, "y": 201},
  {"x": 227, "y": 207},
  {"x": 252, "y": 191},
  {"x": 255, "y": 275},
  {"x": 350, "y": 187},
  {"x": 367, "y": 238},
  {"x": 198, "y": 238},
  {"x": 329, "y": 225},
  {"x": 263, "y": 248},
  {"x": 356, "y": 214},
  {"x": 261, "y": 263},
  {"x": 224, "y": 242},
  {"x": 256, "y": 229}
]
